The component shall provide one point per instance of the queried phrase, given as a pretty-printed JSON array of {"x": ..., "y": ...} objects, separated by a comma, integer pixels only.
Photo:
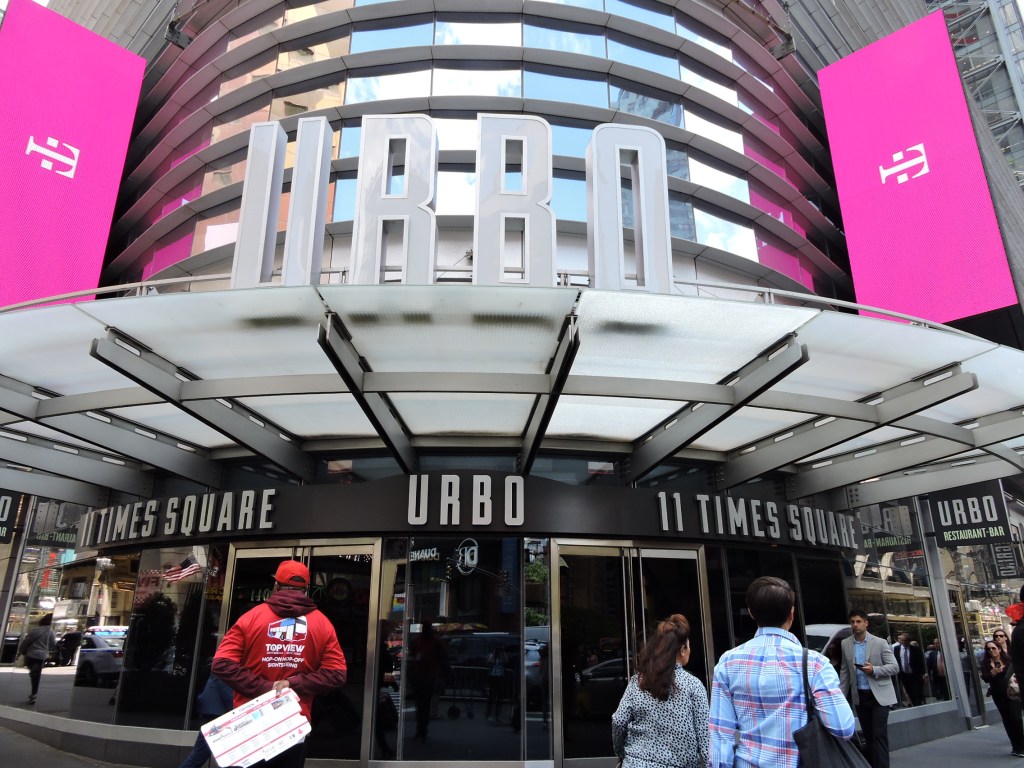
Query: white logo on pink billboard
[
  {"x": 290, "y": 629},
  {"x": 51, "y": 155},
  {"x": 903, "y": 165}
]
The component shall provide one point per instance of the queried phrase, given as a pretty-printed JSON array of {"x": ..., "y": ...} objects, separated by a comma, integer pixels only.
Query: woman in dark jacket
[
  {"x": 36, "y": 648},
  {"x": 996, "y": 671}
]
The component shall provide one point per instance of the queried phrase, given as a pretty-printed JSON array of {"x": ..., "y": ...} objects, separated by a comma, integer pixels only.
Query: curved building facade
[{"x": 542, "y": 455}]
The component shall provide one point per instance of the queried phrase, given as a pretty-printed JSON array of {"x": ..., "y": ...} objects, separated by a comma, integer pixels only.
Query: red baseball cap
[{"x": 291, "y": 573}]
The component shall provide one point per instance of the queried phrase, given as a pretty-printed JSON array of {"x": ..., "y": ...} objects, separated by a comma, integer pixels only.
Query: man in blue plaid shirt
[{"x": 758, "y": 691}]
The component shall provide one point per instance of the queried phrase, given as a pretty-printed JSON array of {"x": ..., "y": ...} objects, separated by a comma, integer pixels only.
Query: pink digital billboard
[
  {"x": 69, "y": 99},
  {"x": 917, "y": 212}
]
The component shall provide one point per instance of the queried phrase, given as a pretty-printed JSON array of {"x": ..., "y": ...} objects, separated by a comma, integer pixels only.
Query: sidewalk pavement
[{"x": 986, "y": 746}]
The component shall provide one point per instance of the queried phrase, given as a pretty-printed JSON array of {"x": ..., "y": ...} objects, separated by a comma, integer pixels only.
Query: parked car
[
  {"x": 101, "y": 656},
  {"x": 63, "y": 654},
  {"x": 826, "y": 639},
  {"x": 535, "y": 656},
  {"x": 601, "y": 687}
]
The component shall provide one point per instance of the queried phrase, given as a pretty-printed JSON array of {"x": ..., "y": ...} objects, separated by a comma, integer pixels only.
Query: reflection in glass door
[
  {"x": 609, "y": 599},
  {"x": 341, "y": 585}
]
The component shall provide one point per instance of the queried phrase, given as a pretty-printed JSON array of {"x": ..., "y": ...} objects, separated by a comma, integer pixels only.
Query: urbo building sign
[
  {"x": 514, "y": 225},
  {"x": 476, "y": 503}
]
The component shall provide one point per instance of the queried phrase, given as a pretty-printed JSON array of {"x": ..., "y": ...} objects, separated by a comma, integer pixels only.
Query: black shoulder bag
[{"x": 818, "y": 748}]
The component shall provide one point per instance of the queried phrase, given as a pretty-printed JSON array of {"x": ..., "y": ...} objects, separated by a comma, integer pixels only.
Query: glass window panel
[
  {"x": 215, "y": 230},
  {"x": 378, "y": 36},
  {"x": 552, "y": 85},
  {"x": 560, "y": 36},
  {"x": 656, "y": 105},
  {"x": 251, "y": 71},
  {"x": 721, "y": 181},
  {"x": 170, "y": 249},
  {"x": 263, "y": 24},
  {"x": 570, "y": 141},
  {"x": 456, "y": 134},
  {"x": 456, "y": 192},
  {"x": 351, "y": 136},
  {"x": 680, "y": 213},
  {"x": 677, "y": 160},
  {"x": 704, "y": 127},
  {"x": 629, "y": 50},
  {"x": 309, "y": 52},
  {"x": 240, "y": 120},
  {"x": 653, "y": 13},
  {"x": 311, "y": 98},
  {"x": 694, "y": 78},
  {"x": 344, "y": 199},
  {"x": 474, "y": 33},
  {"x": 477, "y": 82},
  {"x": 160, "y": 651},
  {"x": 396, "y": 85},
  {"x": 689, "y": 29},
  {"x": 596, "y": 5},
  {"x": 727, "y": 235},
  {"x": 311, "y": 11},
  {"x": 569, "y": 198}
]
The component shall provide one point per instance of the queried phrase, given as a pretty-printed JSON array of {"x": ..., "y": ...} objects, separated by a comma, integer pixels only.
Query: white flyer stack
[{"x": 257, "y": 730}]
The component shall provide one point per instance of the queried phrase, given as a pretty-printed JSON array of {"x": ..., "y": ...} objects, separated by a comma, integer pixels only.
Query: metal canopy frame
[
  {"x": 336, "y": 342},
  {"x": 104, "y": 430},
  {"x": 228, "y": 417},
  {"x": 544, "y": 406},
  {"x": 854, "y": 407},
  {"x": 694, "y": 419},
  {"x": 891, "y": 407}
]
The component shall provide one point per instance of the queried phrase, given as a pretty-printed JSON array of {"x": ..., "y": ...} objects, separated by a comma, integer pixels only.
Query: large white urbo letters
[
  {"x": 395, "y": 198},
  {"x": 394, "y": 233},
  {"x": 642, "y": 151}
]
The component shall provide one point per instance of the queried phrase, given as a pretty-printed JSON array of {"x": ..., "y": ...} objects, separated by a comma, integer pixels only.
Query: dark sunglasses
[{"x": 999, "y": 635}]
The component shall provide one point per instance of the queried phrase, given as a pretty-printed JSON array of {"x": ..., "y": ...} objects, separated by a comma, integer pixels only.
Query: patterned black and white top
[{"x": 654, "y": 734}]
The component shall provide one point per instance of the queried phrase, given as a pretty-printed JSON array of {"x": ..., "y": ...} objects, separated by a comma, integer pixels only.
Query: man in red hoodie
[{"x": 283, "y": 643}]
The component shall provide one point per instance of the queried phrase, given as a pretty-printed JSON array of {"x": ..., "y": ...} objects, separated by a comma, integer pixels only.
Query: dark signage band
[
  {"x": 482, "y": 502},
  {"x": 970, "y": 514}
]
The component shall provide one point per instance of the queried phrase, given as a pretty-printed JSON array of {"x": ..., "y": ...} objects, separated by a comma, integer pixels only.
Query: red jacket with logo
[{"x": 285, "y": 638}]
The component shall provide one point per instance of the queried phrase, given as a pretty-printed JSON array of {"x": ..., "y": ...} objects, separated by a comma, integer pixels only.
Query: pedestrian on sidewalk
[
  {"x": 36, "y": 648},
  {"x": 996, "y": 671},
  {"x": 866, "y": 677}
]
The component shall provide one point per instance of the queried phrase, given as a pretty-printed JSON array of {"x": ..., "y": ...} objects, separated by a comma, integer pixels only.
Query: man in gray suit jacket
[{"x": 866, "y": 677}]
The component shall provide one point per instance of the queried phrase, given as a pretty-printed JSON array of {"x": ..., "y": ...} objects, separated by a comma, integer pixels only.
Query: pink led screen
[
  {"x": 919, "y": 221},
  {"x": 69, "y": 99}
]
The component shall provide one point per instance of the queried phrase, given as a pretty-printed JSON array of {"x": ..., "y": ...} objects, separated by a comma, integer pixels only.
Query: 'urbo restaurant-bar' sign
[{"x": 462, "y": 502}]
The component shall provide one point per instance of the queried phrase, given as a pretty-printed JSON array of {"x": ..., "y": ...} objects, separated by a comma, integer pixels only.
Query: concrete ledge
[
  {"x": 917, "y": 725},
  {"x": 127, "y": 745}
]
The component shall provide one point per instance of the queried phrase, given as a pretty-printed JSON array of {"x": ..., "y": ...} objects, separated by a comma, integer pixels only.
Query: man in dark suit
[{"x": 912, "y": 668}]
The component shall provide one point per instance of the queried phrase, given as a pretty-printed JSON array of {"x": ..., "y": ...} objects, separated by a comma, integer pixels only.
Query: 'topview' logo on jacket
[{"x": 290, "y": 629}]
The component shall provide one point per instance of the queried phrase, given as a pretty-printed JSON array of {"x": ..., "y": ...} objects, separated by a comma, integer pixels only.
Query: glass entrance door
[
  {"x": 609, "y": 598},
  {"x": 342, "y": 584}
]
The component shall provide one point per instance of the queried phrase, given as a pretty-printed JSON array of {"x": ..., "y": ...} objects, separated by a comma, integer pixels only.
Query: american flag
[{"x": 182, "y": 570}]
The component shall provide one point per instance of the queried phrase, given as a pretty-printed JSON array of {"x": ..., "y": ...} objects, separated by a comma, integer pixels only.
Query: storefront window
[
  {"x": 463, "y": 631},
  {"x": 160, "y": 650}
]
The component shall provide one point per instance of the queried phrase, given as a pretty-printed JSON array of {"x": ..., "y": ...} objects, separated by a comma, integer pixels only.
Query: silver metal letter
[
  {"x": 307, "y": 210},
  {"x": 397, "y": 170},
  {"x": 514, "y": 222},
  {"x": 261, "y": 201},
  {"x": 643, "y": 151}
]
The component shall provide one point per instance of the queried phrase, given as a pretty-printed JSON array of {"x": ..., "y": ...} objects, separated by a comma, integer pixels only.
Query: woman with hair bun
[{"x": 663, "y": 716}]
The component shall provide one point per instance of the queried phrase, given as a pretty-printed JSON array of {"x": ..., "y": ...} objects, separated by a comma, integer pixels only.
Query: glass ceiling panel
[
  {"x": 464, "y": 414},
  {"x": 852, "y": 357},
  {"x": 607, "y": 418},
  {"x": 49, "y": 348},
  {"x": 175, "y": 422},
  {"x": 45, "y": 433},
  {"x": 1001, "y": 374},
  {"x": 452, "y": 328},
  {"x": 226, "y": 334},
  {"x": 313, "y": 416},
  {"x": 865, "y": 441},
  {"x": 678, "y": 338},
  {"x": 745, "y": 426}
]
